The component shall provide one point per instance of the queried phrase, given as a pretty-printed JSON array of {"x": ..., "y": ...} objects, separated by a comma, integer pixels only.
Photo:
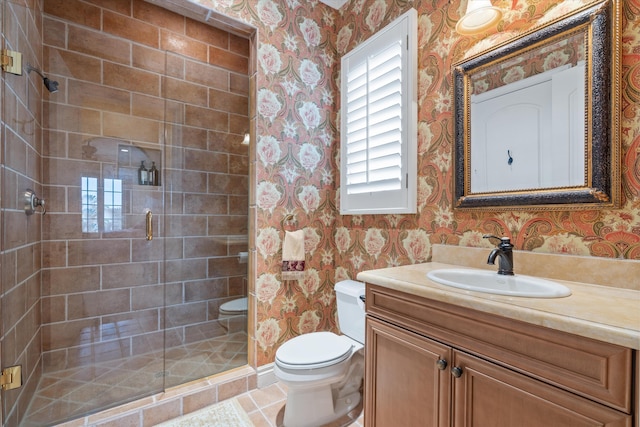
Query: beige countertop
[{"x": 605, "y": 313}]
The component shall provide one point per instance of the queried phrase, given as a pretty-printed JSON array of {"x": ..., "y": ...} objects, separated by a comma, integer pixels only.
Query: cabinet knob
[
  {"x": 456, "y": 371},
  {"x": 441, "y": 364}
]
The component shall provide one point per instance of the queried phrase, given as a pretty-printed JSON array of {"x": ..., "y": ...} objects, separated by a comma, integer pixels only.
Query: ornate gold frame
[{"x": 600, "y": 22}]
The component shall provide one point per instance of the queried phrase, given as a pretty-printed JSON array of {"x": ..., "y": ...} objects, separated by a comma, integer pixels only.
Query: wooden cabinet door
[
  {"x": 489, "y": 395},
  {"x": 404, "y": 385}
]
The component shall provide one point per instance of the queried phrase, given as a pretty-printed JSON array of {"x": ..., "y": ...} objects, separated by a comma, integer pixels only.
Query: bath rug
[{"x": 228, "y": 413}]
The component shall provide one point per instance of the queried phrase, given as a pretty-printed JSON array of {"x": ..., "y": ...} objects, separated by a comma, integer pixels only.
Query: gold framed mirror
[{"x": 536, "y": 119}]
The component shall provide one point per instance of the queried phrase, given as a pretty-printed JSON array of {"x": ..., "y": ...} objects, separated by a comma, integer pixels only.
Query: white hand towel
[{"x": 293, "y": 256}]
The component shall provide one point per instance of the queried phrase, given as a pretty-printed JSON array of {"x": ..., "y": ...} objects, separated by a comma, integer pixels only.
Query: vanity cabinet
[
  {"x": 430, "y": 363},
  {"x": 406, "y": 380}
]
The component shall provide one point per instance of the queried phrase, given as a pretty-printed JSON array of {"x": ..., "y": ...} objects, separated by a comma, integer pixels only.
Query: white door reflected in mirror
[{"x": 530, "y": 134}]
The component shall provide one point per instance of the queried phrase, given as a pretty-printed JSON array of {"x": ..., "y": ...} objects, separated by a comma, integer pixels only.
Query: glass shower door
[
  {"x": 103, "y": 253},
  {"x": 206, "y": 199},
  {"x": 102, "y": 241}
]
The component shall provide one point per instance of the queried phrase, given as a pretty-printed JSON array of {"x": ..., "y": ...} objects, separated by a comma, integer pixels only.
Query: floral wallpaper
[
  {"x": 566, "y": 52},
  {"x": 299, "y": 46}
]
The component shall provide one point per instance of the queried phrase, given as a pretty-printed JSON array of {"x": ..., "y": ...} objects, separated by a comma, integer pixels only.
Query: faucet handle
[
  {"x": 504, "y": 241},
  {"x": 491, "y": 236}
]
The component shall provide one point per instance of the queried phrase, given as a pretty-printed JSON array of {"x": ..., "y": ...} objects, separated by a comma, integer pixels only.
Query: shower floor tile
[{"x": 65, "y": 395}]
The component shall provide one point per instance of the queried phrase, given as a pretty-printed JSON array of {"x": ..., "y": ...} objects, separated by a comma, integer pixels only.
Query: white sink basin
[{"x": 494, "y": 283}]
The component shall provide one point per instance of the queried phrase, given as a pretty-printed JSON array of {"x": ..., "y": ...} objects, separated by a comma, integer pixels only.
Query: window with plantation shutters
[{"x": 379, "y": 122}]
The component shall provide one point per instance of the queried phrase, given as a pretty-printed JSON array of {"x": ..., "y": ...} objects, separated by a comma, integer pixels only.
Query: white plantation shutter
[{"x": 379, "y": 122}]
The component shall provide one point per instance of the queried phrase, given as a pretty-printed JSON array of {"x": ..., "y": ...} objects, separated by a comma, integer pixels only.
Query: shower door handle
[{"x": 149, "y": 225}]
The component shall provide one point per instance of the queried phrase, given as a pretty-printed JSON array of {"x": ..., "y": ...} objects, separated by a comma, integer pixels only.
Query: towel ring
[{"x": 287, "y": 218}]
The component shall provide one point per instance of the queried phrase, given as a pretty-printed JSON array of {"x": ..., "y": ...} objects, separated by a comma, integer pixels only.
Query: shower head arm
[
  {"x": 31, "y": 68},
  {"x": 51, "y": 85}
]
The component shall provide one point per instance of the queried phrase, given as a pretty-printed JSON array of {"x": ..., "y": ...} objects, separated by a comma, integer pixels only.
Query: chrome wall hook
[{"x": 32, "y": 202}]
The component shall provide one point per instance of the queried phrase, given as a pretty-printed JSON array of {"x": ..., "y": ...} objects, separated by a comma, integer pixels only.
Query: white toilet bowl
[
  {"x": 234, "y": 307},
  {"x": 232, "y": 314},
  {"x": 323, "y": 371}
]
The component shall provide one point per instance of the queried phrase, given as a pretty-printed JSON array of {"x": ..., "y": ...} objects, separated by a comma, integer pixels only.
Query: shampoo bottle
[
  {"x": 153, "y": 174},
  {"x": 143, "y": 174}
]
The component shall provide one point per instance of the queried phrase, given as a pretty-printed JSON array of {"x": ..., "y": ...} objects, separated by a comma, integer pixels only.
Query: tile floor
[
  {"x": 263, "y": 406},
  {"x": 65, "y": 395}
]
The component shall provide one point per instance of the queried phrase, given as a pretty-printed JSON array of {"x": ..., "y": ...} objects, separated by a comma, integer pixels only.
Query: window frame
[{"x": 403, "y": 200}]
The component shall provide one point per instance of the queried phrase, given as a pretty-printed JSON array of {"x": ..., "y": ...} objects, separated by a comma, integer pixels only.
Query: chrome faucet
[{"x": 505, "y": 252}]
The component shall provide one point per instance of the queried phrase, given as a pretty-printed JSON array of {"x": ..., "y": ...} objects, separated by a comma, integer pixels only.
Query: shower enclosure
[{"x": 114, "y": 294}]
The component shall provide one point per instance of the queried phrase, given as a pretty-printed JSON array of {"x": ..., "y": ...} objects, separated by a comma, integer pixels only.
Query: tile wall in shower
[{"x": 20, "y": 168}]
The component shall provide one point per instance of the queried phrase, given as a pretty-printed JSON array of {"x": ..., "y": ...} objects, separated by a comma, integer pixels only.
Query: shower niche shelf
[{"x": 139, "y": 165}]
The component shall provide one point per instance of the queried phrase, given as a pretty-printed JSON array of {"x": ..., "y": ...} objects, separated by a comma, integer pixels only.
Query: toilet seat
[
  {"x": 313, "y": 351},
  {"x": 236, "y": 306}
]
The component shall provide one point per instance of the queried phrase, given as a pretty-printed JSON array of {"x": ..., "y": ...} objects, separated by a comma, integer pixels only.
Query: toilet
[
  {"x": 323, "y": 371},
  {"x": 232, "y": 315},
  {"x": 234, "y": 307}
]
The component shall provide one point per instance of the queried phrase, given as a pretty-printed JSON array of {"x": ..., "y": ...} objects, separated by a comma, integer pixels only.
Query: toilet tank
[{"x": 350, "y": 309}]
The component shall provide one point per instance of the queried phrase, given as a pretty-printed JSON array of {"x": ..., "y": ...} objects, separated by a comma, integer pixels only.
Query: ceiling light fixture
[{"x": 480, "y": 15}]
